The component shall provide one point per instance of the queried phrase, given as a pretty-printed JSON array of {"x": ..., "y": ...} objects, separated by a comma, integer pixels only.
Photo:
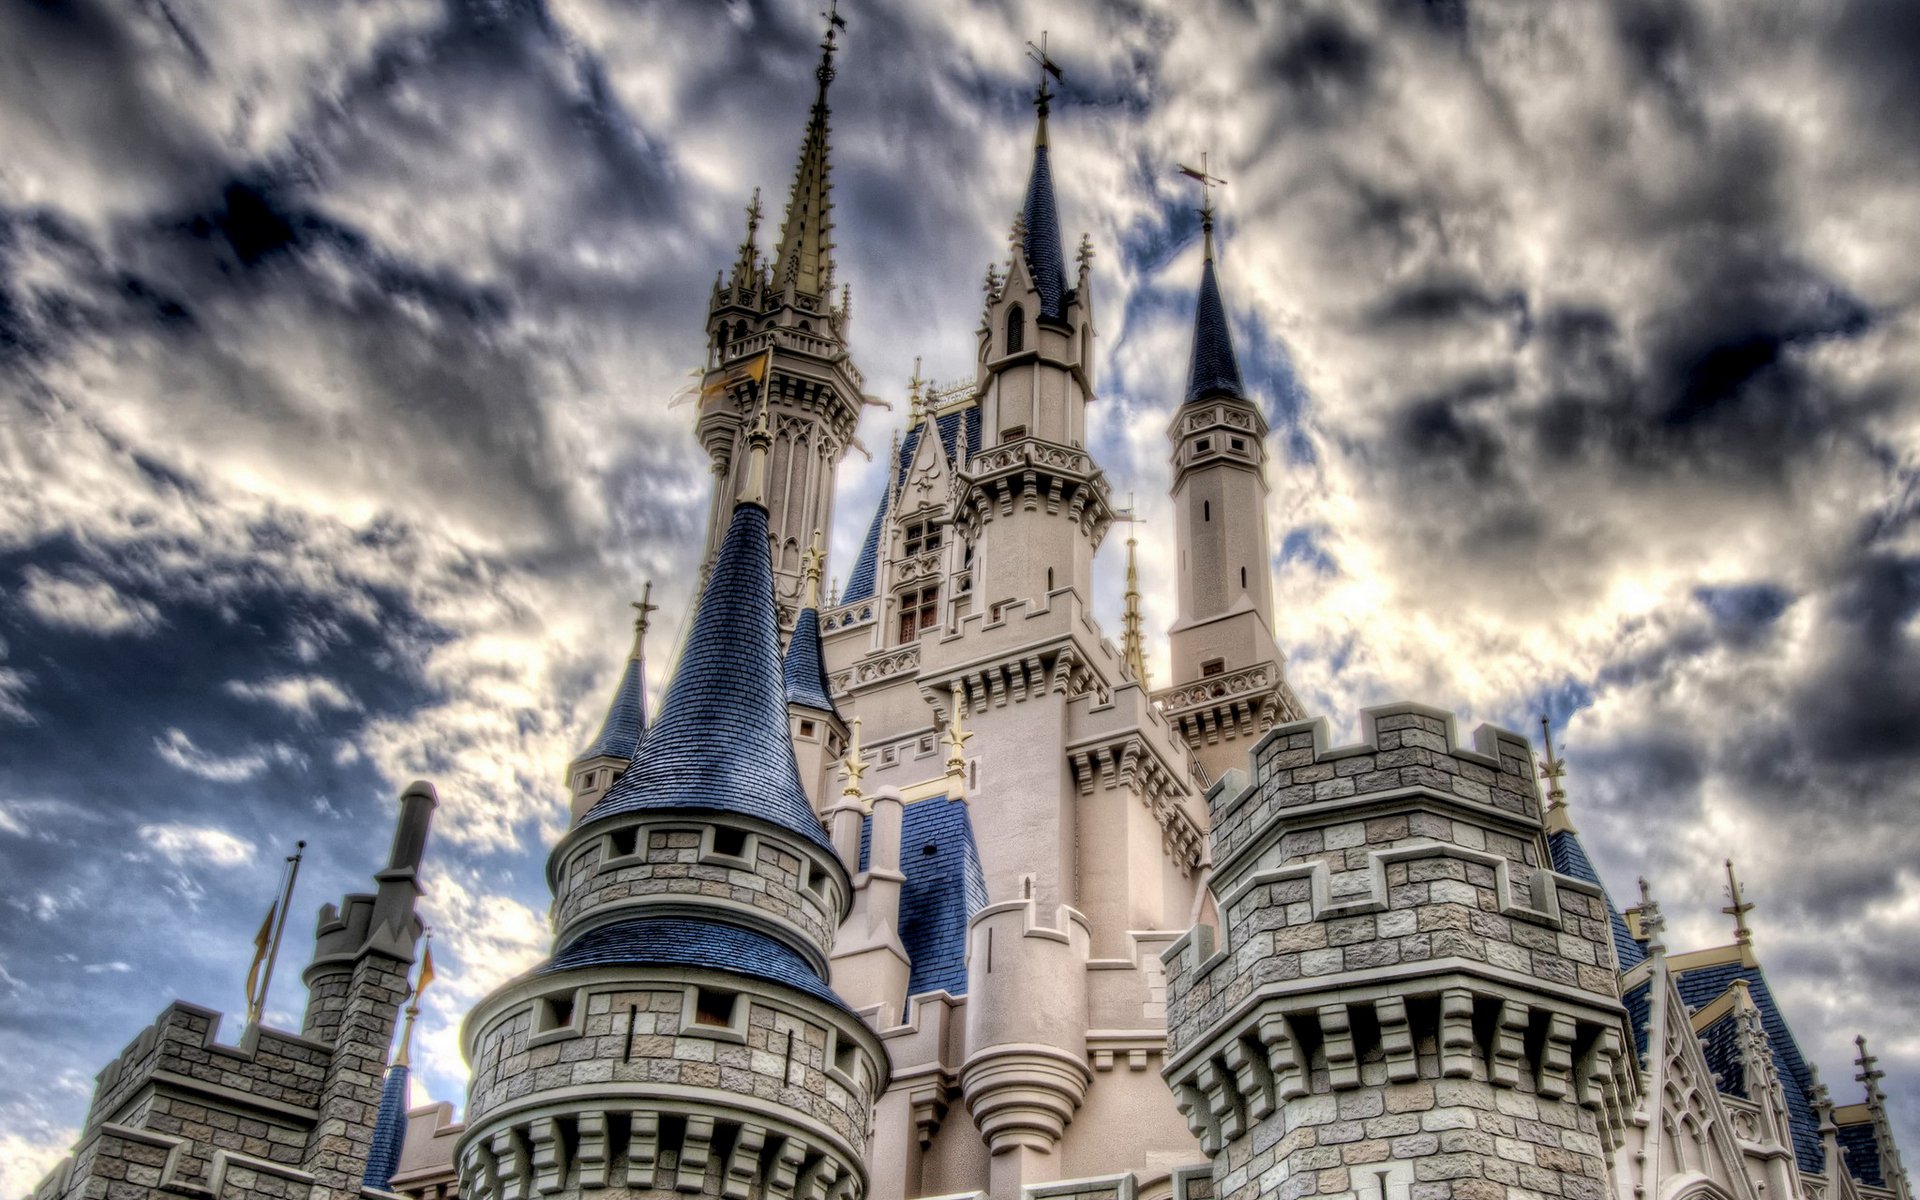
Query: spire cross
[
  {"x": 645, "y": 607},
  {"x": 1552, "y": 769},
  {"x": 827, "y": 44},
  {"x": 916, "y": 392},
  {"x": 1043, "y": 95},
  {"x": 1207, "y": 182},
  {"x": 753, "y": 225},
  {"x": 1652, "y": 924},
  {"x": 1870, "y": 1074},
  {"x": 1739, "y": 909}
]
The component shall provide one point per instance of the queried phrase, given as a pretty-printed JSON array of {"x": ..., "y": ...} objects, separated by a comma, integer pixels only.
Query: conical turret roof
[
  {"x": 1215, "y": 370},
  {"x": 1040, "y": 231},
  {"x": 806, "y": 666},
  {"x": 625, "y": 725},
  {"x": 720, "y": 742}
]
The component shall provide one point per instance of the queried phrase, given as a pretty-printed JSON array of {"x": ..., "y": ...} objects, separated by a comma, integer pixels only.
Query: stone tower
[
  {"x": 1228, "y": 685},
  {"x": 1403, "y": 998},
  {"x": 774, "y": 330},
  {"x": 682, "y": 1038},
  {"x": 278, "y": 1115}
]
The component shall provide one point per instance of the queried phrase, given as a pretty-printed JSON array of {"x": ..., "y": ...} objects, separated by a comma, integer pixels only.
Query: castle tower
[
  {"x": 1228, "y": 683},
  {"x": 1403, "y": 998},
  {"x": 624, "y": 726},
  {"x": 1033, "y": 502},
  {"x": 775, "y": 333},
  {"x": 681, "y": 1038}
]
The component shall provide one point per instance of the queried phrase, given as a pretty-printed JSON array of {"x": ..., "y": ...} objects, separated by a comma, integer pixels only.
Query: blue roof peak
[
  {"x": 1040, "y": 226},
  {"x": 389, "y": 1130},
  {"x": 805, "y": 671},
  {"x": 625, "y": 725},
  {"x": 1215, "y": 370},
  {"x": 720, "y": 742}
]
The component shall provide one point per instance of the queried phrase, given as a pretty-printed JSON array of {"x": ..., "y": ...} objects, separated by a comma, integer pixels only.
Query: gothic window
[
  {"x": 1016, "y": 329},
  {"x": 919, "y": 612},
  {"x": 923, "y": 537},
  {"x": 724, "y": 328}
]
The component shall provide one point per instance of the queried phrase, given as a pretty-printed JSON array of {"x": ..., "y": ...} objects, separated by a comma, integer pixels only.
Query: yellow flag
[
  {"x": 426, "y": 971},
  {"x": 260, "y": 942},
  {"x": 754, "y": 369}
]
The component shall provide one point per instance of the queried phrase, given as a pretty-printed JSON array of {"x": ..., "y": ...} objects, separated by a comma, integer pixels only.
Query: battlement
[
  {"x": 1405, "y": 750},
  {"x": 273, "y": 1069}
]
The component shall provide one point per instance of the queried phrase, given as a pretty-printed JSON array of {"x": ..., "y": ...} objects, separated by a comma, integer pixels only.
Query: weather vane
[
  {"x": 1047, "y": 67},
  {"x": 1208, "y": 182}
]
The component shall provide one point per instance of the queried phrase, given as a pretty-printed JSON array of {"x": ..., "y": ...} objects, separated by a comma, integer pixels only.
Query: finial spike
[
  {"x": 1131, "y": 644},
  {"x": 957, "y": 739},
  {"x": 811, "y": 564},
  {"x": 644, "y": 608},
  {"x": 1207, "y": 181},
  {"x": 1043, "y": 95},
  {"x": 1738, "y": 909},
  {"x": 854, "y": 765},
  {"x": 753, "y": 489}
]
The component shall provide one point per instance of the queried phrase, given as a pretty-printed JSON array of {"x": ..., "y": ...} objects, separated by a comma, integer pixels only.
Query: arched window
[
  {"x": 1016, "y": 329},
  {"x": 725, "y": 331}
]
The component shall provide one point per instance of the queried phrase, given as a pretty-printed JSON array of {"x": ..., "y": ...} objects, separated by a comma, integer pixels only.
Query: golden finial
[
  {"x": 1552, "y": 769},
  {"x": 1207, "y": 183},
  {"x": 853, "y": 766},
  {"x": 917, "y": 396},
  {"x": 810, "y": 565},
  {"x": 759, "y": 440},
  {"x": 1738, "y": 909},
  {"x": 403, "y": 1056},
  {"x": 1130, "y": 641},
  {"x": 957, "y": 739}
]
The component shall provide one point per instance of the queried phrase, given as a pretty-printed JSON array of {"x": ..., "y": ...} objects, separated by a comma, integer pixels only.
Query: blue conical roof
[
  {"x": 806, "y": 668},
  {"x": 1040, "y": 237},
  {"x": 626, "y": 723},
  {"x": 1215, "y": 371},
  {"x": 389, "y": 1131},
  {"x": 720, "y": 741}
]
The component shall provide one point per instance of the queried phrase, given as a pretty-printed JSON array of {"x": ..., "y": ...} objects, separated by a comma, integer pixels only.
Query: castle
[{"x": 923, "y": 890}]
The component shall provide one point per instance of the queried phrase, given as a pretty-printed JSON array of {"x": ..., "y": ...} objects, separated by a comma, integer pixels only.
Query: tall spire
[
  {"x": 1039, "y": 227},
  {"x": 1215, "y": 370},
  {"x": 805, "y": 257}
]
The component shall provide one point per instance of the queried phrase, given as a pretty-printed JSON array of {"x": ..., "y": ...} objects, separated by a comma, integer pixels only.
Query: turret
[
  {"x": 624, "y": 726},
  {"x": 776, "y": 337},
  {"x": 681, "y": 1036},
  {"x": 1395, "y": 962},
  {"x": 1228, "y": 683},
  {"x": 818, "y": 732},
  {"x": 1031, "y": 497}
]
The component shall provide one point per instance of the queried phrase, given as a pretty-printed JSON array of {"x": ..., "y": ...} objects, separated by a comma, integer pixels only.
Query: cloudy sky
[{"x": 336, "y": 343}]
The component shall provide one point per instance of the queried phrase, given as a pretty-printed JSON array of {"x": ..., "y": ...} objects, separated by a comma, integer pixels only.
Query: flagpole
[{"x": 286, "y": 900}]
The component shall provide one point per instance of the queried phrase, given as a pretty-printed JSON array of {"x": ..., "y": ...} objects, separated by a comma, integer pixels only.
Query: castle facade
[{"x": 924, "y": 889}]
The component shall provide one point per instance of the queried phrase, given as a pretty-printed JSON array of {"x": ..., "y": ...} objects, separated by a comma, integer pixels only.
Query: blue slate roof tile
[
  {"x": 1720, "y": 1042},
  {"x": 1702, "y": 985},
  {"x": 1570, "y": 858},
  {"x": 626, "y": 724},
  {"x": 690, "y": 942},
  {"x": 1639, "y": 1003},
  {"x": 721, "y": 742},
  {"x": 1861, "y": 1150},
  {"x": 1046, "y": 258},
  {"x": 389, "y": 1130},
  {"x": 1214, "y": 370},
  {"x": 944, "y": 888},
  {"x": 805, "y": 671}
]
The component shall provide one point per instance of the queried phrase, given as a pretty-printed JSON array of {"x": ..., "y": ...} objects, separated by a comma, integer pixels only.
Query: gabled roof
[
  {"x": 944, "y": 888},
  {"x": 805, "y": 671},
  {"x": 389, "y": 1130},
  {"x": 690, "y": 942},
  {"x": 863, "y": 580},
  {"x": 1570, "y": 858},
  {"x": 625, "y": 726},
  {"x": 1702, "y": 985},
  {"x": 720, "y": 741},
  {"x": 1214, "y": 370}
]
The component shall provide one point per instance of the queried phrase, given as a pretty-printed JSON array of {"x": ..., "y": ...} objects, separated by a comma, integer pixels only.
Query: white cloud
[
  {"x": 86, "y": 603},
  {"x": 179, "y": 749},
  {"x": 197, "y": 845},
  {"x": 306, "y": 695}
]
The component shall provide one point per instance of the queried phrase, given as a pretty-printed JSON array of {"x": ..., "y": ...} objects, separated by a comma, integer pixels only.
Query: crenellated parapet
[
  {"x": 759, "y": 874},
  {"x": 1399, "y": 983}
]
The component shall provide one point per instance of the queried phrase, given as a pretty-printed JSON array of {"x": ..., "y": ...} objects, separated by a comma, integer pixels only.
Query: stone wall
[{"x": 627, "y": 862}]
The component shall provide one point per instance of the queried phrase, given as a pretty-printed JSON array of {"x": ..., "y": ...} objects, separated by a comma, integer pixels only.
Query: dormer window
[
  {"x": 1016, "y": 329},
  {"x": 923, "y": 537}
]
